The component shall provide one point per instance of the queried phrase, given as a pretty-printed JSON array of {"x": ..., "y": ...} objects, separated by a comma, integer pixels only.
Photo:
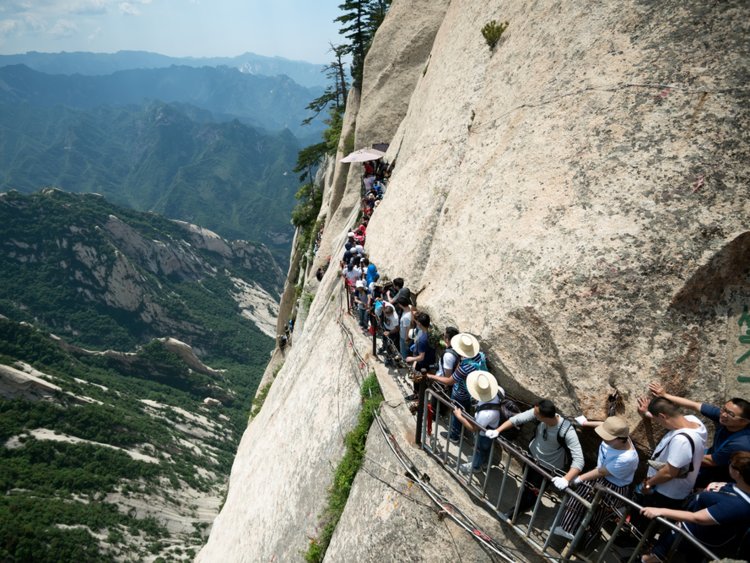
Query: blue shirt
[
  {"x": 372, "y": 274},
  {"x": 729, "y": 507},
  {"x": 725, "y": 442}
]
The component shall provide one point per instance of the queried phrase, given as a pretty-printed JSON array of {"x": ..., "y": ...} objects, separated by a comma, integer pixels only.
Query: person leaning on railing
[
  {"x": 483, "y": 387},
  {"x": 732, "y": 432},
  {"x": 546, "y": 448},
  {"x": 718, "y": 519},
  {"x": 615, "y": 468},
  {"x": 472, "y": 358}
]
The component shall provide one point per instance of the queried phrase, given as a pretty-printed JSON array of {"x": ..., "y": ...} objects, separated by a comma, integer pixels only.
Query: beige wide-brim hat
[
  {"x": 613, "y": 427},
  {"x": 482, "y": 385},
  {"x": 465, "y": 345}
]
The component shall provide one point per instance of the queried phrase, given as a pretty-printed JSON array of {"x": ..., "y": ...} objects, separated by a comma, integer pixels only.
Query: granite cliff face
[{"x": 576, "y": 197}]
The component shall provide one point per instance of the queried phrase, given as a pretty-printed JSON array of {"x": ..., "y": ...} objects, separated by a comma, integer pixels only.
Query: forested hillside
[
  {"x": 117, "y": 436},
  {"x": 167, "y": 158}
]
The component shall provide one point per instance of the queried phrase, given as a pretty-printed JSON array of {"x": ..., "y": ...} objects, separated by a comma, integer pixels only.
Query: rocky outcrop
[{"x": 576, "y": 197}]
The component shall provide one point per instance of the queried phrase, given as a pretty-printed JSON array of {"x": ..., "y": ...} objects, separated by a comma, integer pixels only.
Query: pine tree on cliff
[
  {"x": 360, "y": 20},
  {"x": 335, "y": 93}
]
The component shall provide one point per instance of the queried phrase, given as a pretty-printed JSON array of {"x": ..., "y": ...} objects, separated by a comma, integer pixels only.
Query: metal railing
[{"x": 507, "y": 473}]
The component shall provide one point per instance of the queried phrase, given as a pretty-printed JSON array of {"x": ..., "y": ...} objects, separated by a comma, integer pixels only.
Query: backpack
[
  {"x": 507, "y": 408},
  {"x": 565, "y": 427},
  {"x": 480, "y": 365},
  {"x": 684, "y": 471}
]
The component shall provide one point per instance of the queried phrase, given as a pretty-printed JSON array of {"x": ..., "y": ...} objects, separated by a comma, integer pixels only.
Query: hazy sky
[{"x": 295, "y": 29}]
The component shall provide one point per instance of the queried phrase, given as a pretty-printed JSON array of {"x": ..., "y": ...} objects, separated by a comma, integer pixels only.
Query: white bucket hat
[
  {"x": 482, "y": 385},
  {"x": 465, "y": 345}
]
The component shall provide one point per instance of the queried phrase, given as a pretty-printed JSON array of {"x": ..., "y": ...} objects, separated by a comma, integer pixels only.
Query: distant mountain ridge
[
  {"x": 304, "y": 73},
  {"x": 170, "y": 159},
  {"x": 273, "y": 103}
]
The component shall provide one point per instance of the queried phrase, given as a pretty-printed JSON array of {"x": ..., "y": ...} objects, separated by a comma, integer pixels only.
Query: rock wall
[{"x": 576, "y": 197}]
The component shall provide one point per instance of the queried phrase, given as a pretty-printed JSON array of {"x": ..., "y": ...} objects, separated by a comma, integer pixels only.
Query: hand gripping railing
[{"x": 516, "y": 466}]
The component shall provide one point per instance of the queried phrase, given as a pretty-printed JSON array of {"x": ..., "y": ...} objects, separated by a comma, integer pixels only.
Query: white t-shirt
[
  {"x": 448, "y": 361},
  {"x": 621, "y": 464},
  {"x": 390, "y": 321},
  {"x": 674, "y": 449},
  {"x": 405, "y": 324},
  {"x": 353, "y": 275},
  {"x": 489, "y": 418}
]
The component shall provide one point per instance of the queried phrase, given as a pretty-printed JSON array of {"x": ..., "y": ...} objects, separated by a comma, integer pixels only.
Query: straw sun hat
[
  {"x": 482, "y": 385},
  {"x": 465, "y": 345}
]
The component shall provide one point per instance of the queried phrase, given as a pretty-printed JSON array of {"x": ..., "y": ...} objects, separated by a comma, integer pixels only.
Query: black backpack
[{"x": 507, "y": 408}]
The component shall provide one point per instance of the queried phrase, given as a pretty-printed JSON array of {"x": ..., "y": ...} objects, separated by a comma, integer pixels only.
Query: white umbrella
[{"x": 363, "y": 155}]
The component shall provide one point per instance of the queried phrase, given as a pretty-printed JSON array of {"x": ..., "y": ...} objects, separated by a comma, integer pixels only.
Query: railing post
[{"x": 421, "y": 383}]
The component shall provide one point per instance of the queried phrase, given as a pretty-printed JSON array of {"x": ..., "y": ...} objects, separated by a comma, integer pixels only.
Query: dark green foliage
[
  {"x": 38, "y": 479},
  {"x": 492, "y": 31},
  {"x": 359, "y": 22},
  {"x": 29, "y": 529},
  {"x": 228, "y": 177},
  {"x": 49, "y": 468},
  {"x": 347, "y": 468},
  {"x": 196, "y": 303}
]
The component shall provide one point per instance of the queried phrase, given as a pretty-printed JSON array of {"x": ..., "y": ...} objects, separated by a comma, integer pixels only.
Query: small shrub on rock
[{"x": 492, "y": 31}]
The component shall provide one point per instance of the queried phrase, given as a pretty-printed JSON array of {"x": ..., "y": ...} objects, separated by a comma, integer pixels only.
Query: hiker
[
  {"x": 467, "y": 348},
  {"x": 615, "y": 469},
  {"x": 404, "y": 326},
  {"x": 553, "y": 439},
  {"x": 677, "y": 457},
  {"x": 423, "y": 354},
  {"x": 390, "y": 329},
  {"x": 732, "y": 434},
  {"x": 483, "y": 387},
  {"x": 401, "y": 293},
  {"x": 362, "y": 301},
  {"x": 450, "y": 358},
  {"x": 718, "y": 519},
  {"x": 371, "y": 273}
]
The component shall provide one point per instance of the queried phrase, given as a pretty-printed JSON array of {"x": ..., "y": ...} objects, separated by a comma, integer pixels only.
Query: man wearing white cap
[
  {"x": 467, "y": 347},
  {"x": 483, "y": 386}
]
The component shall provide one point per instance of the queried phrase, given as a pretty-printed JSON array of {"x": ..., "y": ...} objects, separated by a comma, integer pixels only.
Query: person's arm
[
  {"x": 592, "y": 475},
  {"x": 576, "y": 452},
  {"x": 665, "y": 473},
  {"x": 418, "y": 358},
  {"x": 448, "y": 380},
  {"x": 702, "y": 517},
  {"x": 500, "y": 429},
  {"x": 657, "y": 389},
  {"x": 459, "y": 414}
]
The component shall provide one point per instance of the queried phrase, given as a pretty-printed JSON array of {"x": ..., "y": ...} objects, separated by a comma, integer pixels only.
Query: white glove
[
  {"x": 577, "y": 481},
  {"x": 560, "y": 483},
  {"x": 581, "y": 419},
  {"x": 492, "y": 434}
]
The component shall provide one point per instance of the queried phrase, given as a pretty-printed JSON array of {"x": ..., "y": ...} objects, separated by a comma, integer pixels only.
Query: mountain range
[
  {"x": 304, "y": 73},
  {"x": 165, "y": 158},
  {"x": 270, "y": 102}
]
